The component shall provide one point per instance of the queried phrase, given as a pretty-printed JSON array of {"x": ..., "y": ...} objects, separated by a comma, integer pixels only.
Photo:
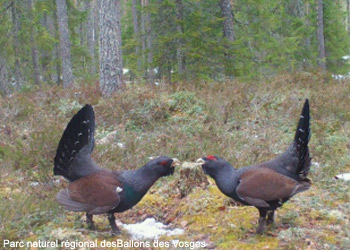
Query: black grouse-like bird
[
  {"x": 95, "y": 190},
  {"x": 270, "y": 184}
]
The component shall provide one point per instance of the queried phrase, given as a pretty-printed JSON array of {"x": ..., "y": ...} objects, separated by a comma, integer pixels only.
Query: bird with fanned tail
[
  {"x": 95, "y": 190},
  {"x": 270, "y": 184}
]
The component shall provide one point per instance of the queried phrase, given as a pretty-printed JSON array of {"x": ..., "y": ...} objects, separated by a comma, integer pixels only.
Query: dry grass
[{"x": 243, "y": 122}]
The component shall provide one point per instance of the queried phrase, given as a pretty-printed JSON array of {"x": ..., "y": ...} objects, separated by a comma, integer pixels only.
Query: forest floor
[{"x": 243, "y": 122}]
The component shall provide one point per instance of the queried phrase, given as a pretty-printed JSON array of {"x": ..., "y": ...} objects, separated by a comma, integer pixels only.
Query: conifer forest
[{"x": 175, "y": 124}]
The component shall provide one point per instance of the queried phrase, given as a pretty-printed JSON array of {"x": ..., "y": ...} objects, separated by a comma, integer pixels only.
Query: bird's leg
[
  {"x": 262, "y": 221},
  {"x": 90, "y": 222},
  {"x": 115, "y": 229},
  {"x": 270, "y": 217}
]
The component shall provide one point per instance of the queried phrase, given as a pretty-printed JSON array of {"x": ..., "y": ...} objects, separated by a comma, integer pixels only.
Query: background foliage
[{"x": 270, "y": 37}]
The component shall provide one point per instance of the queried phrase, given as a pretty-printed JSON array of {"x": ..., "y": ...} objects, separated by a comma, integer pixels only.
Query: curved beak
[
  {"x": 200, "y": 161},
  {"x": 175, "y": 162}
]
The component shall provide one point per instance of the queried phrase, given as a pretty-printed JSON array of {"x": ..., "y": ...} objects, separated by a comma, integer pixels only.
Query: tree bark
[
  {"x": 45, "y": 56},
  {"x": 320, "y": 36},
  {"x": 307, "y": 39},
  {"x": 226, "y": 11},
  {"x": 143, "y": 38},
  {"x": 35, "y": 59},
  {"x": 110, "y": 50},
  {"x": 4, "y": 77},
  {"x": 181, "y": 62},
  {"x": 348, "y": 15},
  {"x": 16, "y": 44},
  {"x": 136, "y": 33},
  {"x": 90, "y": 7},
  {"x": 62, "y": 15},
  {"x": 148, "y": 41}
]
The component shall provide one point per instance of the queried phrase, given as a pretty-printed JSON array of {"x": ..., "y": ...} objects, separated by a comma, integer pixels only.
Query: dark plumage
[
  {"x": 95, "y": 190},
  {"x": 267, "y": 185}
]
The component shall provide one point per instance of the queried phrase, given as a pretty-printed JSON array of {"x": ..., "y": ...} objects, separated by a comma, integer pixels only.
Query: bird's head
[
  {"x": 163, "y": 165},
  {"x": 212, "y": 165}
]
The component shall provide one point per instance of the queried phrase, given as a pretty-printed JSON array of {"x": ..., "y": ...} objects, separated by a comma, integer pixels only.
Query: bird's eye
[
  {"x": 164, "y": 163},
  {"x": 211, "y": 157}
]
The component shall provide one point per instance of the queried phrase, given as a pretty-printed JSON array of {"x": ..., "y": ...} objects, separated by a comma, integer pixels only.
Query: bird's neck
[
  {"x": 227, "y": 180},
  {"x": 141, "y": 179}
]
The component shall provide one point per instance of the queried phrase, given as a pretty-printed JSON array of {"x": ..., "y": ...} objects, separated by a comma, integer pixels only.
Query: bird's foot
[
  {"x": 92, "y": 226},
  {"x": 261, "y": 226},
  {"x": 270, "y": 217},
  {"x": 90, "y": 222},
  {"x": 270, "y": 221},
  {"x": 116, "y": 232},
  {"x": 115, "y": 229}
]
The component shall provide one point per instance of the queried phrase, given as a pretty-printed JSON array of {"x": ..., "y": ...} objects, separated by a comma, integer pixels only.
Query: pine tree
[{"x": 111, "y": 64}]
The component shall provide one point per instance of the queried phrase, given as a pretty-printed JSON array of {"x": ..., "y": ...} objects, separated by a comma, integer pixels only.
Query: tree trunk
[
  {"x": 181, "y": 62},
  {"x": 90, "y": 7},
  {"x": 143, "y": 37},
  {"x": 45, "y": 55},
  {"x": 348, "y": 15},
  {"x": 307, "y": 39},
  {"x": 110, "y": 50},
  {"x": 35, "y": 59},
  {"x": 56, "y": 52},
  {"x": 16, "y": 44},
  {"x": 136, "y": 33},
  {"x": 97, "y": 21},
  {"x": 148, "y": 40},
  {"x": 5, "y": 87},
  {"x": 226, "y": 11},
  {"x": 320, "y": 36},
  {"x": 62, "y": 14}
]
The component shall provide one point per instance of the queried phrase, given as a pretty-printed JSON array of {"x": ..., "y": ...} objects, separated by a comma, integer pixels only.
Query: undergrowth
[{"x": 244, "y": 122}]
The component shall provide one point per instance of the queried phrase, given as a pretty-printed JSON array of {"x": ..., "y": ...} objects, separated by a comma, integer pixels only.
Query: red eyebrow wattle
[
  {"x": 211, "y": 157},
  {"x": 164, "y": 163}
]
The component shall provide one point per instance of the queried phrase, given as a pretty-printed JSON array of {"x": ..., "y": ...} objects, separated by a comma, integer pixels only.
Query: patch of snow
[
  {"x": 156, "y": 83},
  {"x": 125, "y": 71},
  {"x": 34, "y": 184},
  {"x": 316, "y": 164},
  {"x": 121, "y": 145},
  {"x": 150, "y": 229},
  {"x": 346, "y": 57},
  {"x": 344, "y": 176},
  {"x": 341, "y": 77}
]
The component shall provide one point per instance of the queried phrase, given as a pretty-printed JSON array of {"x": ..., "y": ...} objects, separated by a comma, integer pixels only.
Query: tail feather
[
  {"x": 76, "y": 145},
  {"x": 301, "y": 139}
]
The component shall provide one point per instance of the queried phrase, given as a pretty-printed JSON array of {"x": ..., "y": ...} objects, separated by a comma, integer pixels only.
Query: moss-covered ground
[{"x": 244, "y": 122}]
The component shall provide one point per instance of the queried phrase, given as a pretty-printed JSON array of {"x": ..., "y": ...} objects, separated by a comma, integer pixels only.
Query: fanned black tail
[
  {"x": 72, "y": 159},
  {"x": 302, "y": 137}
]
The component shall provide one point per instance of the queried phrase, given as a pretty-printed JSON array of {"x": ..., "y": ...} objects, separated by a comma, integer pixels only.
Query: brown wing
[
  {"x": 258, "y": 185},
  {"x": 96, "y": 193}
]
